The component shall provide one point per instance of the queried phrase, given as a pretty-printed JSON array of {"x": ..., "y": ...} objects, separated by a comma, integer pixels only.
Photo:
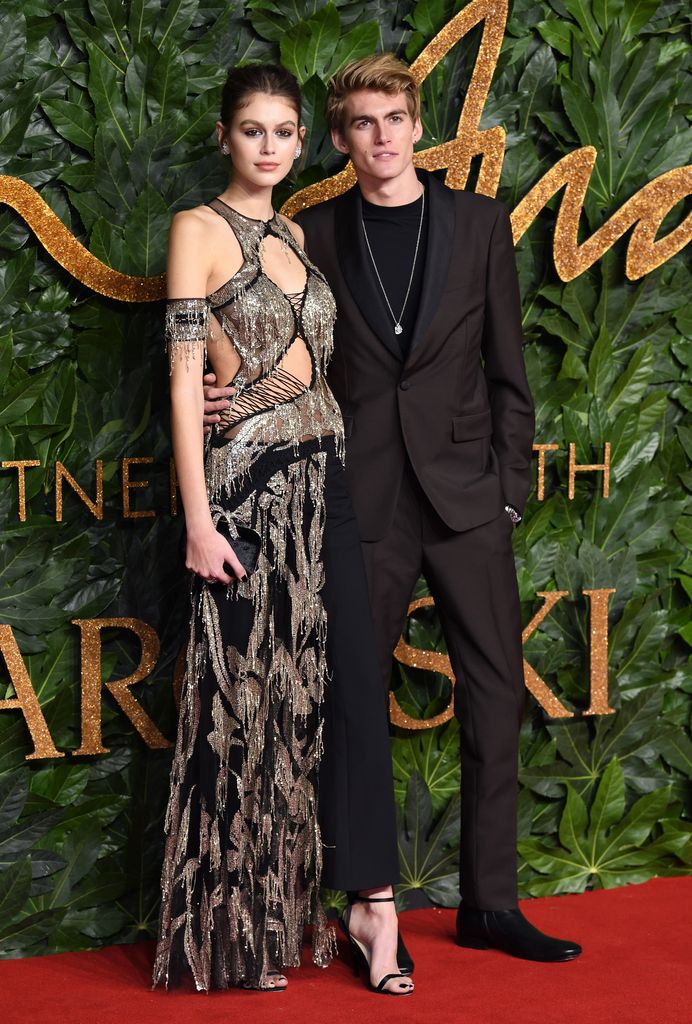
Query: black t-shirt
[{"x": 392, "y": 232}]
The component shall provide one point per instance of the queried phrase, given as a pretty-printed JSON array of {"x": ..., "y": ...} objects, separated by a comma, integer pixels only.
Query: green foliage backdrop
[{"x": 108, "y": 109}]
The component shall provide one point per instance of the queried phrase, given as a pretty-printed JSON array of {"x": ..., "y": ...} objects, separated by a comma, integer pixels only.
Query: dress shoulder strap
[{"x": 248, "y": 232}]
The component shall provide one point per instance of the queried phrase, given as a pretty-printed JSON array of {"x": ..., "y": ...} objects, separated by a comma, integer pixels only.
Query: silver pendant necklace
[{"x": 397, "y": 320}]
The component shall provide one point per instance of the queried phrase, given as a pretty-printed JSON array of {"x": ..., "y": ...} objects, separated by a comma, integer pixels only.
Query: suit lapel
[
  {"x": 356, "y": 268},
  {"x": 441, "y": 226}
]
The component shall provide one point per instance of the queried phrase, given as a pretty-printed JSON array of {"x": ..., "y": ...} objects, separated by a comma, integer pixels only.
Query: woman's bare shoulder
[{"x": 194, "y": 222}]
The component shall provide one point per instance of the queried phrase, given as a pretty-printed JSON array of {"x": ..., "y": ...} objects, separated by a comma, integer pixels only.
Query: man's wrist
[{"x": 513, "y": 514}]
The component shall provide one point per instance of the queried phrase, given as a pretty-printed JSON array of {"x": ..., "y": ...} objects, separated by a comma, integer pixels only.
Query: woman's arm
[{"x": 187, "y": 274}]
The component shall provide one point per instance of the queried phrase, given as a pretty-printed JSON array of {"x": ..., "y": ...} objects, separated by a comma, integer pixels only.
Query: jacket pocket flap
[{"x": 472, "y": 426}]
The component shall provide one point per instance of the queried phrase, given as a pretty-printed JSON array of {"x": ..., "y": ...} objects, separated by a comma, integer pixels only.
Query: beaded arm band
[{"x": 187, "y": 325}]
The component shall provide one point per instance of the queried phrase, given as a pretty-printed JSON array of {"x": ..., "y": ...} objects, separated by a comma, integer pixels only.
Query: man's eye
[{"x": 396, "y": 117}]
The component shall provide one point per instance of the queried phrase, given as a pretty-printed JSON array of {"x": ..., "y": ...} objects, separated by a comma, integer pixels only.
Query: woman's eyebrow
[{"x": 260, "y": 125}]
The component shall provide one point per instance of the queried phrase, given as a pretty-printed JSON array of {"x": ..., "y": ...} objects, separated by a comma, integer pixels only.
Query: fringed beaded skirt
[{"x": 242, "y": 861}]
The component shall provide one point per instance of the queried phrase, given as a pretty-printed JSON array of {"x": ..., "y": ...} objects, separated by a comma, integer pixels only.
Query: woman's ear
[{"x": 221, "y": 136}]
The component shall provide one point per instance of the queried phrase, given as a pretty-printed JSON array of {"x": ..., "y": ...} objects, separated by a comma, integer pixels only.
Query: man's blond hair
[{"x": 382, "y": 72}]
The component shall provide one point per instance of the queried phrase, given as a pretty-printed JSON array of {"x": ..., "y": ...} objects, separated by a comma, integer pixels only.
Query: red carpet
[{"x": 636, "y": 969}]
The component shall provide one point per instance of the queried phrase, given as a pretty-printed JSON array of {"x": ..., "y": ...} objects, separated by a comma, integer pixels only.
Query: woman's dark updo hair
[{"x": 242, "y": 83}]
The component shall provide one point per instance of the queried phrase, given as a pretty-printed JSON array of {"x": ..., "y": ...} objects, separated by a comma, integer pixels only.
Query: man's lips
[{"x": 386, "y": 155}]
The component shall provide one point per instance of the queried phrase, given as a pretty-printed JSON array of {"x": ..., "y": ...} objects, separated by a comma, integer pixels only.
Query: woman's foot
[
  {"x": 275, "y": 982},
  {"x": 375, "y": 925}
]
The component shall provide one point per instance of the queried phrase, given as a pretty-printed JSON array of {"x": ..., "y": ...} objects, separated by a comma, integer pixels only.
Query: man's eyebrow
[
  {"x": 249, "y": 120},
  {"x": 368, "y": 117}
]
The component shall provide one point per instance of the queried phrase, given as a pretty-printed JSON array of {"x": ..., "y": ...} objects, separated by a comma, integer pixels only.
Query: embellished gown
[{"x": 243, "y": 852}]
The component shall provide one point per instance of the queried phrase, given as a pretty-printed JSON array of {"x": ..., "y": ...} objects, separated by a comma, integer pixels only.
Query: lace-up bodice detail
[{"x": 284, "y": 342}]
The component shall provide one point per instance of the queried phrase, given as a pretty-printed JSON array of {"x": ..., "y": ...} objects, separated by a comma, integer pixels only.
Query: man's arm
[{"x": 510, "y": 398}]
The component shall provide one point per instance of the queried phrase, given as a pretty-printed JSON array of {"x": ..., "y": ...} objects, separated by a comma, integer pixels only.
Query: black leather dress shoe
[{"x": 509, "y": 931}]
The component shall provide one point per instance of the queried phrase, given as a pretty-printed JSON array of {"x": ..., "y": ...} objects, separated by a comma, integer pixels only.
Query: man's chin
[{"x": 385, "y": 170}]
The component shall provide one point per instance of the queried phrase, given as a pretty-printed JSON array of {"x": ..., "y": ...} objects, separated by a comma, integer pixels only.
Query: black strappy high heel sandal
[
  {"x": 403, "y": 957},
  {"x": 361, "y": 953}
]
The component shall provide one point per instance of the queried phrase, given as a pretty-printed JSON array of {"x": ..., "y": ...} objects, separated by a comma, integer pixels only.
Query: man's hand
[{"x": 216, "y": 401}]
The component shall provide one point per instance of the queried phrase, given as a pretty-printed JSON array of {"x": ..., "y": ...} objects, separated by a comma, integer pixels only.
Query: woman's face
[{"x": 262, "y": 139}]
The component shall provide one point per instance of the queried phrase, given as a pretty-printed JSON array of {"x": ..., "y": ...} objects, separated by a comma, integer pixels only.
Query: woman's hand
[
  {"x": 206, "y": 553},
  {"x": 216, "y": 401}
]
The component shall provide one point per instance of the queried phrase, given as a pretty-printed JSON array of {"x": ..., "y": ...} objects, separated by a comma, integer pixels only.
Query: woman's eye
[{"x": 284, "y": 133}]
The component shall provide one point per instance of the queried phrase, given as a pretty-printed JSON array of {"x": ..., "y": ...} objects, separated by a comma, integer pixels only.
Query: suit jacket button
[{"x": 405, "y": 385}]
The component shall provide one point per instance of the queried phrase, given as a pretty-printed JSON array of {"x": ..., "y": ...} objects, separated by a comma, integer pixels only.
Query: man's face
[{"x": 378, "y": 133}]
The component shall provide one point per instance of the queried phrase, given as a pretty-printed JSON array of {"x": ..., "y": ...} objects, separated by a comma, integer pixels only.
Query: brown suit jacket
[{"x": 460, "y": 405}]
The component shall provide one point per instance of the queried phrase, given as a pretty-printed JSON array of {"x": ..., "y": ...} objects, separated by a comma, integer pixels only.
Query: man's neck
[{"x": 399, "y": 191}]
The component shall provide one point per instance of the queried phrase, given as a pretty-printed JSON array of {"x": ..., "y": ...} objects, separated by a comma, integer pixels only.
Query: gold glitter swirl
[
  {"x": 644, "y": 212},
  {"x": 60, "y": 243}
]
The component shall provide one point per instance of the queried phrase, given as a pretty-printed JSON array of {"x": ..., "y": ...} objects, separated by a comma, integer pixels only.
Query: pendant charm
[{"x": 398, "y": 328}]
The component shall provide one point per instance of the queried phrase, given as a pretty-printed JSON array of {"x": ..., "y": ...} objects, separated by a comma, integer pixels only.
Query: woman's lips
[{"x": 267, "y": 167}]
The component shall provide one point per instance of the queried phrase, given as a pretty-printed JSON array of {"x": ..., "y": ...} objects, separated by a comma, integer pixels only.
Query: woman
[{"x": 275, "y": 634}]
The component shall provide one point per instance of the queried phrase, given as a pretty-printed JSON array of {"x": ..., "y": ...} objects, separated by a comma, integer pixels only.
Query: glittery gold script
[
  {"x": 92, "y": 684},
  {"x": 644, "y": 212},
  {"x": 61, "y": 244}
]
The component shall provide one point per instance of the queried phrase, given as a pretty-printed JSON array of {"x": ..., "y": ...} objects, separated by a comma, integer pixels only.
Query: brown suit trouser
[{"x": 472, "y": 578}]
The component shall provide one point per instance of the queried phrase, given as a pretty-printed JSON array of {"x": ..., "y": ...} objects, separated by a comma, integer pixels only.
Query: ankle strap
[{"x": 355, "y": 898}]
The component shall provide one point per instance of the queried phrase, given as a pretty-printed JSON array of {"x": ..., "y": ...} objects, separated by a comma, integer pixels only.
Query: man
[{"x": 429, "y": 375}]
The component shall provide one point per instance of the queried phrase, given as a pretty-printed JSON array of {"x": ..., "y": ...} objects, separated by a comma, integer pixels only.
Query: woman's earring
[
  {"x": 224, "y": 148},
  {"x": 299, "y": 150}
]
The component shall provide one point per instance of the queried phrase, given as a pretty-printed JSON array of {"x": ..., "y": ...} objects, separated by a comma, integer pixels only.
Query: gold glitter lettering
[
  {"x": 534, "y": 684},
  {"x": 26, "y": 700},
  {"x": 542, "y": 449},
  {"x": 128, "y": 485},
  {"x": 598, "y": 652},
  {"x": 95, "y": 507},
  {"x": 92, "y": 683},
  {"x": 21, "y": 465},
  {"x": 429, "y": 661},
  {"x": 575, "y": 468}
]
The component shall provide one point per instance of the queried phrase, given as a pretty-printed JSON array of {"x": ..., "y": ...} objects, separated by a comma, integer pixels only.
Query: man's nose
[{"x": 382, "y": 134}]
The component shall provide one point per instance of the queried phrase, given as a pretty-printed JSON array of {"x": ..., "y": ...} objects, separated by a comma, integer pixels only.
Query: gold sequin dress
[{"x": 243, "y": 856}]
